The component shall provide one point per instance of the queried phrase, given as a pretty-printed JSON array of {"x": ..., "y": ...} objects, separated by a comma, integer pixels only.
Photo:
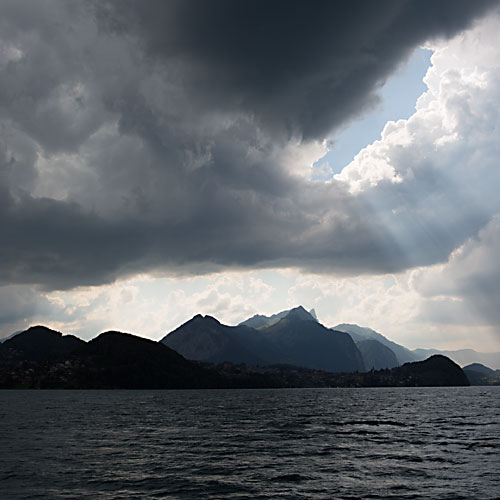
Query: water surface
[{"x": 251, "y": 444}]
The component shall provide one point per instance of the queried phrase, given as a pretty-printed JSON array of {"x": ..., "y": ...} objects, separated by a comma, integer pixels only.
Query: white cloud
[
  {"x": 146, "y": 306},
  {"x": 454, "y": 131},
  {"x": 385, "y": 303}
]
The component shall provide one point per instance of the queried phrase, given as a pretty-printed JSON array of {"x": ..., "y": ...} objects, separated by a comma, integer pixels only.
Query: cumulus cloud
[
  {"x": 180, "y": 136},
  {"x": 433, "y": 178}
]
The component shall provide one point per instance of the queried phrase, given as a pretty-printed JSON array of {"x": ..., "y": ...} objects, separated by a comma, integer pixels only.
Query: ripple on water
[{"x": 286, "y": 444}]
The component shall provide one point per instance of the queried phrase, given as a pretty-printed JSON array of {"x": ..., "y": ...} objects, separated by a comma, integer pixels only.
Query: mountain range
[
  {"x": 293, "y": 337},
  {"x": 45, "y": 359},
  {"x": 296, "y": 337},
  {"x": 461, "y": 356},
  {"x": 359, "y": 334}
]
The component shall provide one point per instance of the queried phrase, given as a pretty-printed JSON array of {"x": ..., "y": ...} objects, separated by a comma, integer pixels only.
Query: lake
[{"x": 383, "y": 443}]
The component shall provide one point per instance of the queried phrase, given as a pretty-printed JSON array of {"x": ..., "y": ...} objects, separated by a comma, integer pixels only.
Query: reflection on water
[{"x": 251, "y": 444}]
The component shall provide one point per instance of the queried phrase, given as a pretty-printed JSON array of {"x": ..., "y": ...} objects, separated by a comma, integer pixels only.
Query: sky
[{"x": 166, "y": 158}]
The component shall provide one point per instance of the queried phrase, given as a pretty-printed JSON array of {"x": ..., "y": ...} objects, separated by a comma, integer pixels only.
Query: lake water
[{"x": 431, "y": 443}]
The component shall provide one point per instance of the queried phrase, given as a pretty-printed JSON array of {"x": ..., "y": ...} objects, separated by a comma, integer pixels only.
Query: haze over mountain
[
  {"x": 10, "y": 336},
  {"x": 359, "y": 333},
  {"x": 376, "y": 355},
  {"x": 462, "y": 356}
]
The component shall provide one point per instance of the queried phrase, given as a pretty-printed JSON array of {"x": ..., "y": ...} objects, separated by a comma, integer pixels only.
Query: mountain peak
[
  {"x": 39, "y": 342},
  {"x": 478, "y": 367},
  {"x": 41, "y": 329},
  {"x": 260, "y": 321},
  {"x": 204, "y": 319},
  {"x": 300, "y": 313}
]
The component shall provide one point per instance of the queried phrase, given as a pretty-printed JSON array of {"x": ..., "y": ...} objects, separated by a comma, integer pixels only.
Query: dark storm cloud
[
  {"x": 58, "y": 245},
  {"x": 142, "y": 136},
  {"x": 300, "y": 68}
]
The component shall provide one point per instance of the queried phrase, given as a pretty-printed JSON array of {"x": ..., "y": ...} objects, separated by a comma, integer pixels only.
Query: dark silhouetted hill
[
  {"x": 478, "y": 367},
  {"x": 203, "y": 338},
  {"x": 463, "y": 356},
  {"x": 121, "y": 360},
  {"x": 113, "y": 360},
  {"x": 36, "y": 344},
  {"x": 478, "y": 374},
  {"x": 437, "y": 370},
  {"x": 295, "y": 352}
]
